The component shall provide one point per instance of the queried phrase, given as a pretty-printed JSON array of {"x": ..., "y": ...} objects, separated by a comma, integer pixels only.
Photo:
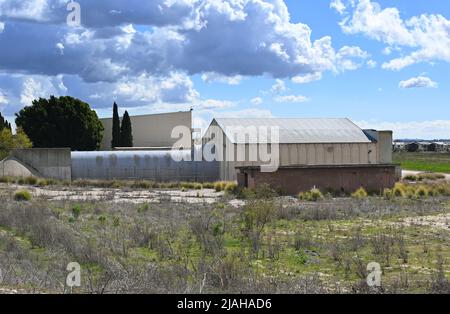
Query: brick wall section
[{"x": 292, "y": 180}]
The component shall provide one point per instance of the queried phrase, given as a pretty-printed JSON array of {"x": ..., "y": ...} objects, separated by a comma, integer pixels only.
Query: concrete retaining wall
[{"x": 52, "y": 163}]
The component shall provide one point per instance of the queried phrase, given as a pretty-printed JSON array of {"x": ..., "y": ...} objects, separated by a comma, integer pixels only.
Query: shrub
[
  {"x": 312, "y": 195},
  {"x": 360, "y": 193},
  {"x": 421, "y": 192},
  {"x": 430, "y": 176},
  {"x": 399, "y": 190},
  {"x": 76, "y": 210},
  {"x": 143, "y": 208},
  {"x": 231, "y": 187},
  {"x": 411, "y": 178},
  {"x": 31, "y": 180},
  {"x": 22, "y": 195},
  {"x": 388, "y": 194},
  {"x": 219, "y": 186}
]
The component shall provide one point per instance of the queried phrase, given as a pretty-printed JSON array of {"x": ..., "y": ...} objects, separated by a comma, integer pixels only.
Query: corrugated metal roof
[{"x": 293, "y": 131}]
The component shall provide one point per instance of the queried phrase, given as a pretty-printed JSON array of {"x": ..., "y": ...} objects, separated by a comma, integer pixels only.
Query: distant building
[{"x": 152, "y": 132}]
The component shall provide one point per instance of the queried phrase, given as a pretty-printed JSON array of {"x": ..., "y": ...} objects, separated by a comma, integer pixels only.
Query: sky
[{"x": 384, "y": 64}]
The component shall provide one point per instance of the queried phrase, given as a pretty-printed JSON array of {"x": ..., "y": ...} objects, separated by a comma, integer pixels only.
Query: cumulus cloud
[
  {"x": 418, "y": 82},
  {"x": 279, "y": 87},
  {"x": 427, "y": 35},
  {"x": 143, "y": 53},
  {"x": 211, "y": 77},
  {"x": 257, "y": 38},
  {"x": 437, "y": 129},
  {"x": 257, "y": 101},
  {"x": 338, "y": 5},
  {"x": 291, "y": 99},
  {"x": 307, "y": 78}
]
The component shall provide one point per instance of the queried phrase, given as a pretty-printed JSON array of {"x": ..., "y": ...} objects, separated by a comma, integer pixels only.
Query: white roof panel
[{"x": 297, "y": 131}]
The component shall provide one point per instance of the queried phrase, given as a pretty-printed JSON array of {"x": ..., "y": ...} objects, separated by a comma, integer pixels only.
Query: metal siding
[{"x": 294, "y": 131}]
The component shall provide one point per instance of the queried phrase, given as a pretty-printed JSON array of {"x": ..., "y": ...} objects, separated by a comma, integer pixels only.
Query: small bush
[
  {"x": 22, "y": 195},
  {"x": 312, "y": 195},
  {"x": 411, "y": 178},
  {"x": 231, "y": 187},
  {"x": 430, "y": 176},
  {"x": 31, "y": 180},
  {"x": 360, "y": 193},
  {"x": 388, "y": 194},
  {"x": 399, "y": 190},
  {"x": 421, "y": 192},
  {"x": 143, "y": 208},
  {"x": 219, "y": 186},
  {"x": 76, "y": 211}
]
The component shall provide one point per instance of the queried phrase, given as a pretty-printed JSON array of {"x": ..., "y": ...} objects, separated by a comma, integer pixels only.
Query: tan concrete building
[
  {"x": 153, "y": 131},
  {"x": 328, "y": 148}
]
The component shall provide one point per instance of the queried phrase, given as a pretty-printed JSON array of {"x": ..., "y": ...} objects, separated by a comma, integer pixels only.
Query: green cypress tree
[
  {"x": 115, "y": 128},
  {"x": 126, "y": 133},
  {"x": 4, "y": 124}
]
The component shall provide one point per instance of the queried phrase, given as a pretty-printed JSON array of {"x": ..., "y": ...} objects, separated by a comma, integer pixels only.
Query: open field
[
  {"x": 433, "y": 162},
  {"x": 161, "y": 241}
]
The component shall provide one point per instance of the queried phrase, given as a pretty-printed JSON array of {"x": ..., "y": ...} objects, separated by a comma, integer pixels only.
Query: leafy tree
[
  {"x": 126, "y": 133},
  {"x": 4, "y": 124},
  {"x": 61, "y": 122},
  {"x": 8, "y": 141},
  {"x": 115, "y": 127}
]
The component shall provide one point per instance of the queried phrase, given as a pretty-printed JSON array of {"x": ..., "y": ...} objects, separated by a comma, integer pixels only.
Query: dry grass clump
[
  {"x": 22, "y": 195},
  {"x": 312, "y": 195},
  {"x": 360, "y": 193}
]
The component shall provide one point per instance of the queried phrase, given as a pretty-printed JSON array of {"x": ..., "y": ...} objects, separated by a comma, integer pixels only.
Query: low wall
[
  {"x": 52, "y": 163},
  {"x": 292, "y": 180}
]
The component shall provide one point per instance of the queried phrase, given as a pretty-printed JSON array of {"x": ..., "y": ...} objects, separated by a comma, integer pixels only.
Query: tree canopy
[
  {"x": 4, "y": 124},
  {"x": 116, "y": 141},
  {"x": 61, "y": 122},
  {"x": 8, "y": 141},
  {"x": 126, "y": 133}
]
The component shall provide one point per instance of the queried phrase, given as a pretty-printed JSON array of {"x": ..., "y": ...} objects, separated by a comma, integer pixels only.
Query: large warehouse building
[
  {"x": 330, "y": 154},
  {"x": 152, "y": 131}
]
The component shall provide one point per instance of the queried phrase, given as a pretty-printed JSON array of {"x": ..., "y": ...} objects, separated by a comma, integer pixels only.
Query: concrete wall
[
  {"x": 152, "y": 130},
  {"x": 42, "y": 162},
  {"x": 292, "y": 180},
  {"x": 12, "y": 168}
]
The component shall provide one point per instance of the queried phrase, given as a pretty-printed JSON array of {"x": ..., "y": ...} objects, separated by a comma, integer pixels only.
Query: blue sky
[{"x": 384, "y": 64}]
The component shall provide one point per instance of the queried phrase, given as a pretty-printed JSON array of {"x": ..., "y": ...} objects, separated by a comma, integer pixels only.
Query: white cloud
[
  {"x": 257, "y": 101},
  {"x": 338, "y": 5},
  {"x": 371, "y": 64},
  {"x": 418, "y": 82},
  {"x": 3, "y": 98},
  {"x": 177, "y": 88},
  {"x": 291, "y": 99},
  {"x": 245, "y": 113},
  {"x": 350, "y": 58},
  {"x": 278, "y": 88},
  {"x": 437, "y": 129},
  {"x": 211, "y": 77},
  {"x": 214, "y": 104},
  {"x": 2, "y": 27},
  {"x": 427, "y": 35},
  {"x": 307, "y": 78}
]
